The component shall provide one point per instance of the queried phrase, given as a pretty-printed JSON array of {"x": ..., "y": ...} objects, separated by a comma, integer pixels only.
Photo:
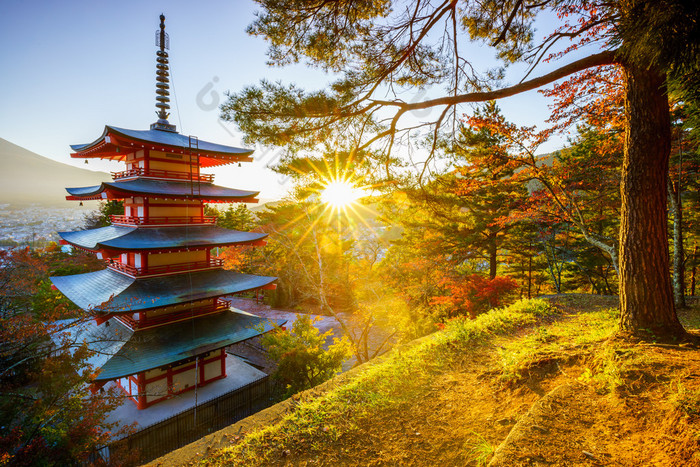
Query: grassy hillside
[
  {"x": 27, "y": 177},
  {"x": 539, "y": 383}
]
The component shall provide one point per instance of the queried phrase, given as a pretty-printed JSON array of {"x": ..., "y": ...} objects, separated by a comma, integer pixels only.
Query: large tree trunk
[{"x": 646, "y": 296}]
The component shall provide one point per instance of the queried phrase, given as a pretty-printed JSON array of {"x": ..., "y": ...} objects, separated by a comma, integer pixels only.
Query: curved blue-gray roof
[
  {"x": 165, "y": 138},
  {"x": 108, "y": 291},
  {"x": 149, "y": 186},
  {"x": 119, "y": 351},
  {"x": 135, "y": 238}
]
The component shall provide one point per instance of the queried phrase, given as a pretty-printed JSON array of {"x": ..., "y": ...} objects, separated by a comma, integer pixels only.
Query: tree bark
[
  {"x": 493, "y": 255},
  {"x": 676, "y": 209},
  {"x": 692, "y": 274},
  {"x": 529, "y": 274},
  {"x": 552, "y": 264},
  {"x": 646, "y": 298}
]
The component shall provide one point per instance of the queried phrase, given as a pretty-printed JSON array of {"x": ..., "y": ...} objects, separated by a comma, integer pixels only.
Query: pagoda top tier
[{"x": 116, "y": 143}]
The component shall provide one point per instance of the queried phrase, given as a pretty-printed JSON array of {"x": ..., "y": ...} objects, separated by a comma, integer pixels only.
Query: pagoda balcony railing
[
  {"x": 164, "y": 268},
  {"x": 218, "y": 306},
  {"x": 169, "y": 174},
  {"x": 168, "y": 220}
]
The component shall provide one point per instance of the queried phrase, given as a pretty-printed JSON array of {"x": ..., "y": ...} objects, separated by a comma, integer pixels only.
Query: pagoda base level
[
  {"x": 153, "y": 386},
  {"x": 238, "y": 374}
]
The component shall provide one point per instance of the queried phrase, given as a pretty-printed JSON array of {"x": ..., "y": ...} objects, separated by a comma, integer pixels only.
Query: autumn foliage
[
  {"x": 48, "y": 414},
  {"x": 472, "y": 294}
]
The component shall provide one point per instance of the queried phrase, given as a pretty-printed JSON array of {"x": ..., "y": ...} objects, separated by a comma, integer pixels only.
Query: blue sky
[{"x": 68, "y": 68}]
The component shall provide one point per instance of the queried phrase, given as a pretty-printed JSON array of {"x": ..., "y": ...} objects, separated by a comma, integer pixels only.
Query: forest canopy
[{"x": 380, "y": 50}]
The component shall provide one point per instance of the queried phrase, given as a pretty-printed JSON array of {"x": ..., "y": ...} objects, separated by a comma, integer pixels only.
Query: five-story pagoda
[{"x": 161, "y": 318}]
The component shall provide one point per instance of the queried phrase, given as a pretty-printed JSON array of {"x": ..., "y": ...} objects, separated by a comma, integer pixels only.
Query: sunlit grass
[
  {"x": 556, "y": 341},
  {"x": 398, "y": 377},
  {"x": 684, "y": 399},
  {"x": 480, "y": 451},
  {"x": 528, "y": 334}
]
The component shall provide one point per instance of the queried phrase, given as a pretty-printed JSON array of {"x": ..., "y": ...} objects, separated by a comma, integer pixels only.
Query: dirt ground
[{"x": 553, "y": 415}]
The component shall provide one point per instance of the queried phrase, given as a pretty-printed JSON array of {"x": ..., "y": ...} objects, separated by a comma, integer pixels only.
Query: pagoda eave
[
  {"x": 98, "y": 197},
  {"x": 106, "y": 253},
  {"x": 101, "y": 149},
  {"x": 113, "y": 252},
  {"x": 108, "y": 291},
  {"x": 118, "y": 239},
  {"x": 115, "y": 143},
  {"x": 162, "y": 189},
  {"x": 119, "y": 351}
]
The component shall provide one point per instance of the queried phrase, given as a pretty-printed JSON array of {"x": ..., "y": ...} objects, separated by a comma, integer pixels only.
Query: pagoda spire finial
[{"x": 162, "y": 79}]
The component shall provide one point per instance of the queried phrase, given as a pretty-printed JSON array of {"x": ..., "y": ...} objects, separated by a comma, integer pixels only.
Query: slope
[
  {"x": 540, "y": 383},
  {"x": 26, "y": 177}
]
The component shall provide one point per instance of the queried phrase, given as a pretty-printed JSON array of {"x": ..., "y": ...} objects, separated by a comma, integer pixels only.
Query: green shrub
[{"x": 302, "y": 360}]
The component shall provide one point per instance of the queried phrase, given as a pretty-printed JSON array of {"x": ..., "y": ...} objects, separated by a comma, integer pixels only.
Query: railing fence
[{"x": 174, "y": 432}]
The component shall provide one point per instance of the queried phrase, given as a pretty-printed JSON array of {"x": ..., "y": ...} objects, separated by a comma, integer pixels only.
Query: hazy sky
[{"x": 67, "y": 68}]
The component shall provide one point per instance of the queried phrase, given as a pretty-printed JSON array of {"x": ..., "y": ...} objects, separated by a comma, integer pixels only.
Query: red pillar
[
  {"x": 146, "y": 161},
  {"x": 141, "y": 383},
  {"x": 223, "y": 362},
  {"x": 146, "y": 208}
]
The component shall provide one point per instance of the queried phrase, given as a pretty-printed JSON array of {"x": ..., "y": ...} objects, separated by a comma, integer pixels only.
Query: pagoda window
[
  {"x": 172, "y": 162},
  {"x": 124, "y": 258},
  {"x": 175, "y": 209},
  {"x": 127, "y": 210},
  {"x": 129, "y": 386},
  {"x": 137, "y": 260},
  {"x": 160, "y": 316},
  {"x": 183, "y": 378},
  {"x": 161, "y": 259},
  {"x": 212, "y": 365},
  {"x": 140, "y": 211}
]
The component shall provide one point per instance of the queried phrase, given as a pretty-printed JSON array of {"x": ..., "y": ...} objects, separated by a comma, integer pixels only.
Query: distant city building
[{"x": 161, "y": 320}]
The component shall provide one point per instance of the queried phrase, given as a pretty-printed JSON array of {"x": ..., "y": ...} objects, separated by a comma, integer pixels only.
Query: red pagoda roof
[{"x": 115, "y": 143}]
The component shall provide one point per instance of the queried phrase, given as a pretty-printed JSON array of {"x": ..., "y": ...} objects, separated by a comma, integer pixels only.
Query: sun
[{"x": 340, "y": 194}]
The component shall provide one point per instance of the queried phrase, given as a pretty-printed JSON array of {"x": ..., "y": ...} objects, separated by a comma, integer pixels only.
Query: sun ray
[
  {"x": 340, "y": 194},
  {"x": 332, "y": 198}
]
